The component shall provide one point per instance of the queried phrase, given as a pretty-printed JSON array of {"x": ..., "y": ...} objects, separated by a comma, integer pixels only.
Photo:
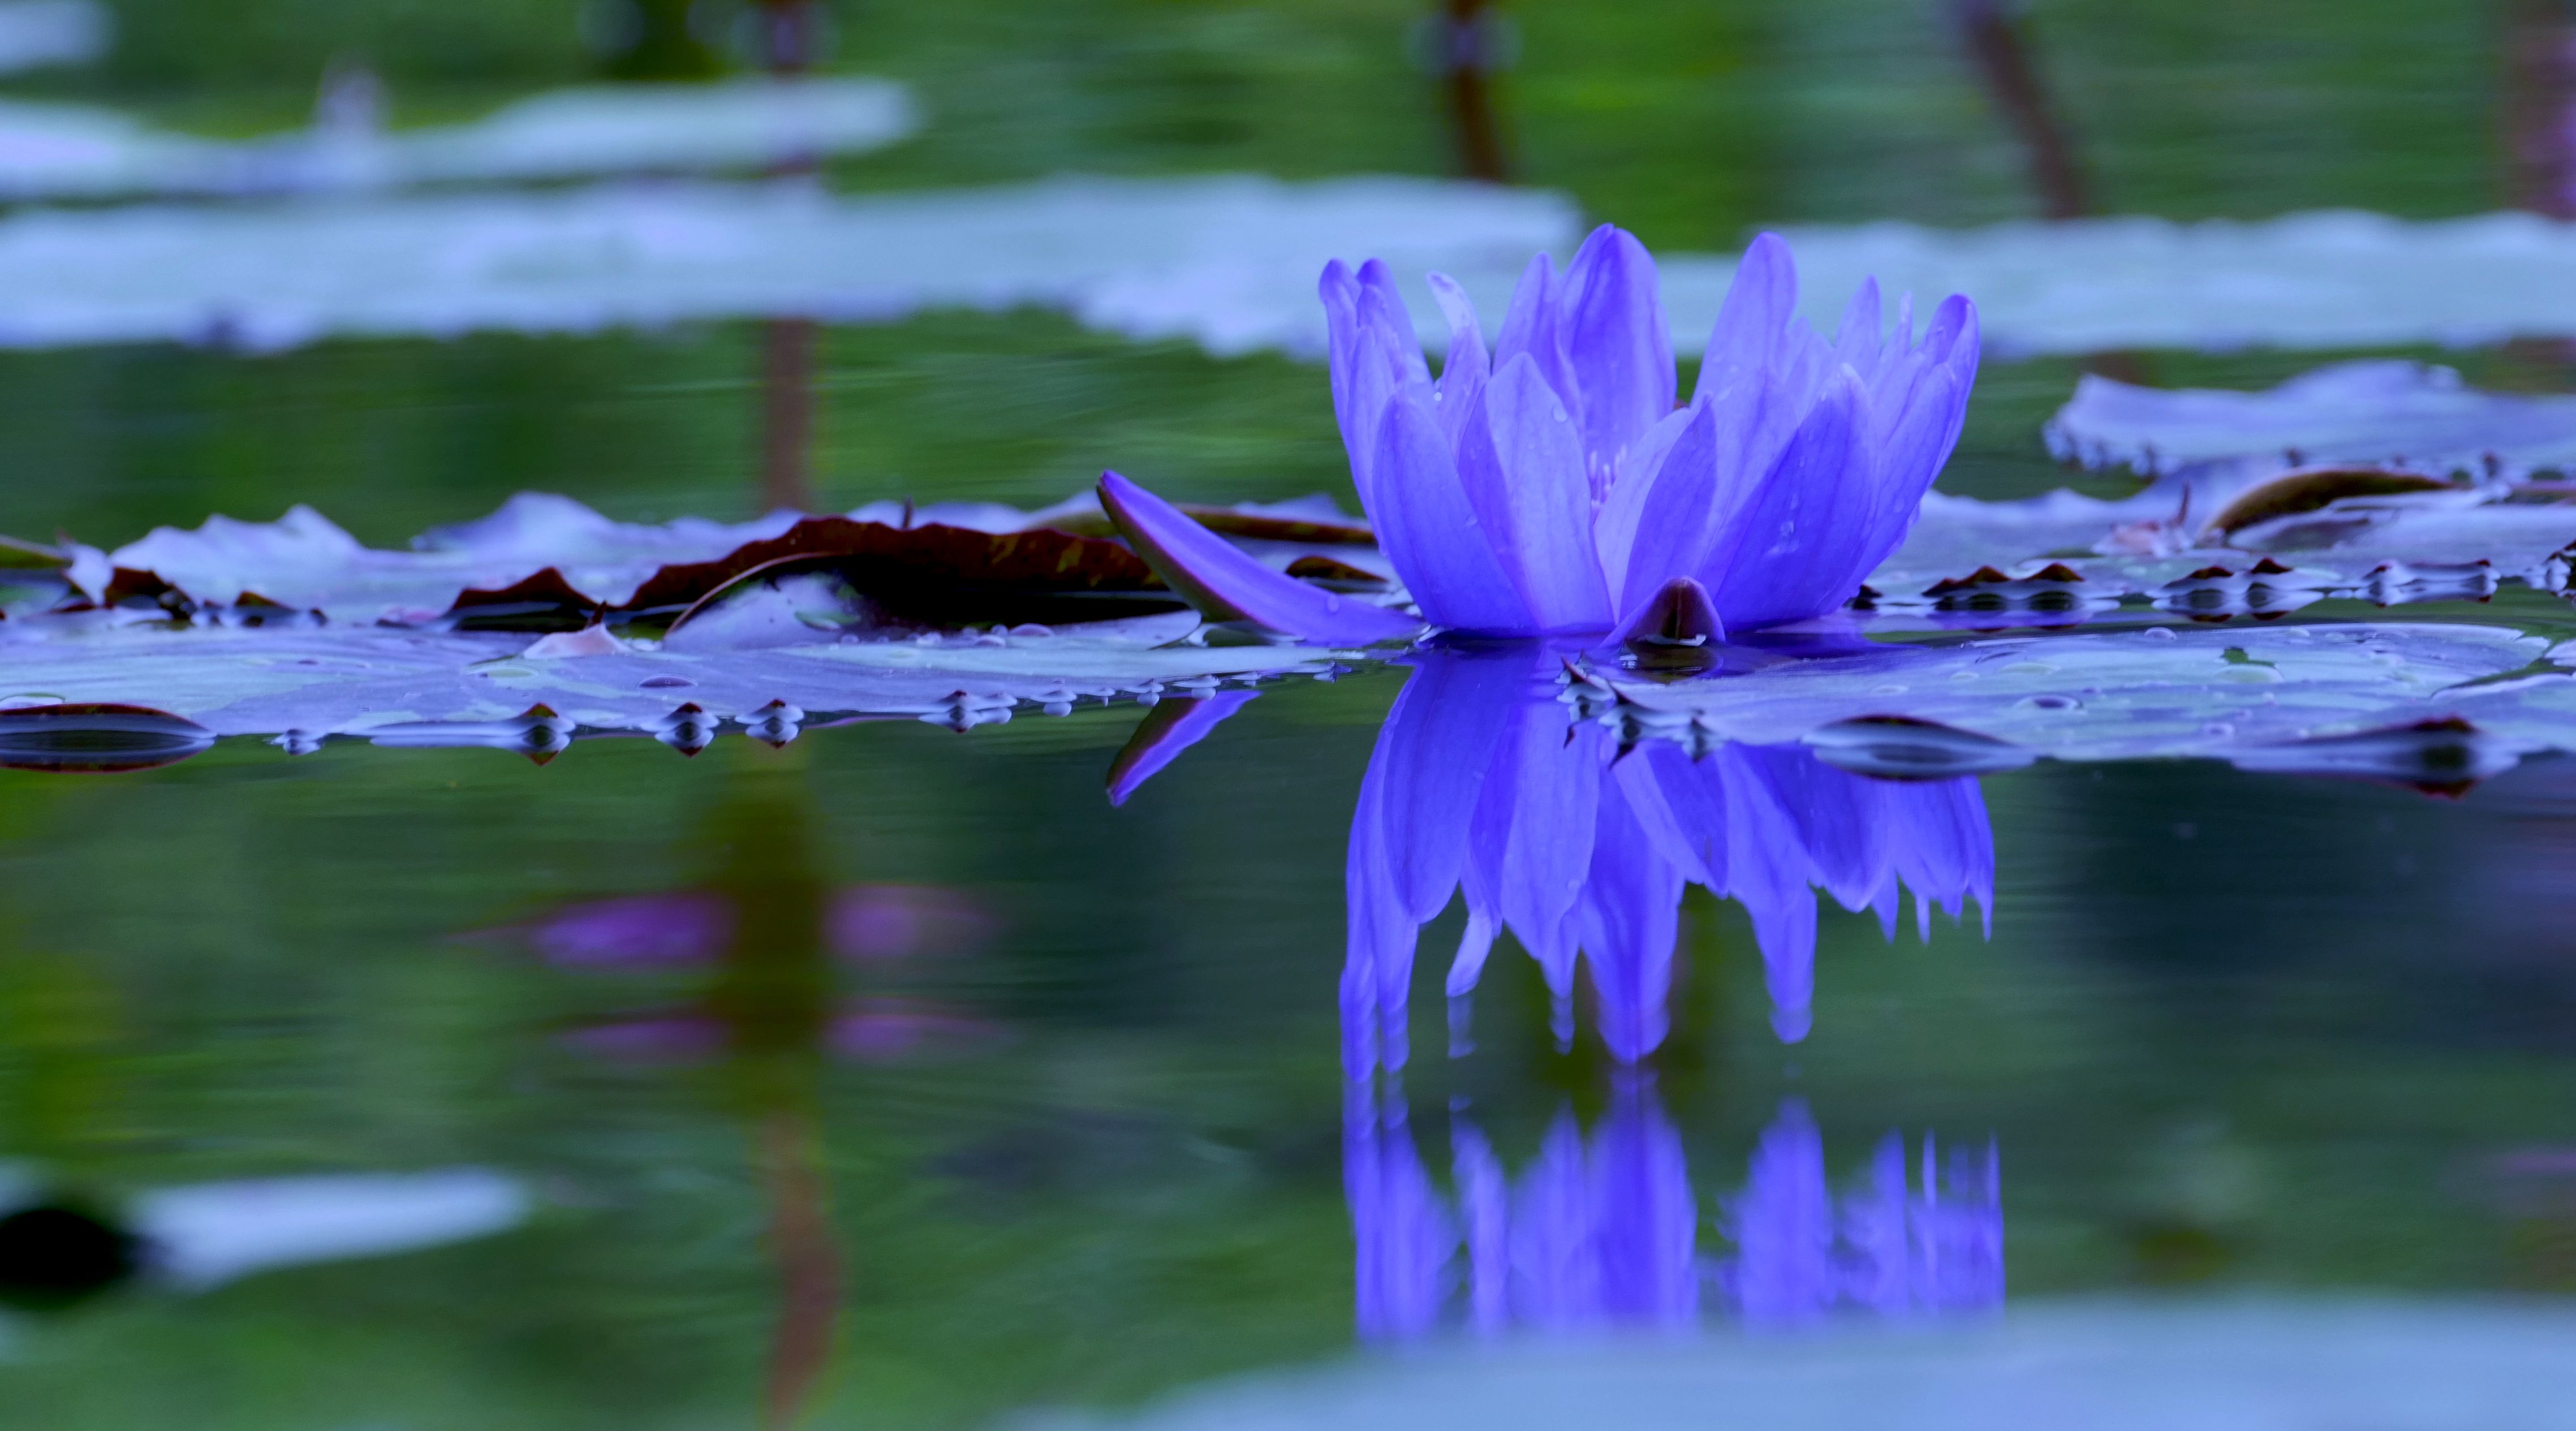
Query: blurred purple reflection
[
  {"x": 1482, "y": 781},
  {"x": 865, "y": 922},
  {"x": 637, "y": 931},
  {"x": 1605, "y": 1230}
]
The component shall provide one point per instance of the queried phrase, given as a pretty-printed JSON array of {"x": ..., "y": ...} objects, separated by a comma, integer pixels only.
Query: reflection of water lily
[
  {"x": 1604, "y": 1230},
  {"x": 741, "y": 1011},
  {"x": 1478, "y": 783},
  {"x": 1549, "y": 485}
]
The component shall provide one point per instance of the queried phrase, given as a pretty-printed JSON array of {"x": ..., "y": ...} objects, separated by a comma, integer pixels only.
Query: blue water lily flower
[{"x": 1550, "y": 485}]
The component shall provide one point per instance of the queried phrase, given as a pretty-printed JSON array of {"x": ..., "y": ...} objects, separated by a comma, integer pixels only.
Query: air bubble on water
[{"x": 2159, "y": 633}]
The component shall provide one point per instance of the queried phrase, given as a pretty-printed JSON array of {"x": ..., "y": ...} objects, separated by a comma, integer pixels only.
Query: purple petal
[
  {"x": 1795, "y": 550},
  {"x": 1225, "y": 584},
  {"x": 1758, "y": 308},
  {"x": 1616, "y": 344},
  {"x": 1175, "y": 724},
  {"x": 1614, "y": 527},
  {"x": 1521, "y": 463},
  {"x": 1385, "y": 319},
  {"x": 1910, "y": 456},
  {"x": 1430, "y": 530},
  {"x": 1676, "y": 509},
  {"x": 1533, "y": 327},
  {"x": 1355, "y": 411},
  {"x": 1464, "y": 371},
  {"x": 1857, "y": 341}
]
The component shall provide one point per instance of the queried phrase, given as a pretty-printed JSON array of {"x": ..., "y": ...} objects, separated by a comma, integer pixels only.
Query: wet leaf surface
[
  {"x": 2374, "y": 412},
  {"x": 2419, "y": 704}
]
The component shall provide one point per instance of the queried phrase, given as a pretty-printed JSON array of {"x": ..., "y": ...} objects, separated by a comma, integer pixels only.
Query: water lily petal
[
  {"x": 1532, "y": 325},
  {"x": 1758, "y": 308},
  {"x": 1670, "y": 517},
  {"x": 1355, "y": 413},
  {"x": 1857, "y": 341},
  {"x": 1521, "y": 463},
  {"x": 1384, "y": 315},
  {"x": 1910, "y": 455},
  {"x": 1225, "y": 583},
  {"x": 1433, "y": 534},
  {"x": 1614, "y": 526},
  {"x": 1463, "y": 372},
  {"x": 1616, "y": 345},
  {"x": 1793, "y": 550}
]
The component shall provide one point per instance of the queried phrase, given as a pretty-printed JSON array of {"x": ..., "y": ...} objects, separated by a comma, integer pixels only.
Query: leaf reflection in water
[
  {"x": 1482, "y": 780},
  {"x": 1603, "y": 1230}
]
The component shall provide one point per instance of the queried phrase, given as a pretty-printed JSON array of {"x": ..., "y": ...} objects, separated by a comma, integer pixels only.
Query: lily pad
[
  {"x": 304, "y": 685},
  {"x": 2409, "y": 416},
  {"x": 2384, "y": 537},
  {"x": 2322, "y": 698}
]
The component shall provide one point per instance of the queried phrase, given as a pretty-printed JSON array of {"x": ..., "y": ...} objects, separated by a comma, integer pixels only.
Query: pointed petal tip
[{"x": 1225, "y": 583}]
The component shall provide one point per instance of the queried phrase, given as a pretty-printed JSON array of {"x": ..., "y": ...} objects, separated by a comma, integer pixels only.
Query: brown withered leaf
[
  {"x": 1240, "y": 526},
  {"x": 1338, "y": 574},
  {"x": 543, "y": 602},
  {"x": 1039, "y": 560},
  {"x": 2310, "y": 488},
  {"x": 932, "y": 575}
]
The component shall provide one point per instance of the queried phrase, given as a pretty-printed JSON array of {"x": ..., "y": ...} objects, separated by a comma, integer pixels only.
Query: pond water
[{"x": 898, "y": 1075}]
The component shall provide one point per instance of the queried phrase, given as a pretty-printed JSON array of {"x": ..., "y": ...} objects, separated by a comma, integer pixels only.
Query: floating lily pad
[
  {"x": 2378, "y": 412},
  {"x": 2306, "y": 536},
  {"x": 304, "y": 685},
  {"x": 2323, "y": 698}
]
